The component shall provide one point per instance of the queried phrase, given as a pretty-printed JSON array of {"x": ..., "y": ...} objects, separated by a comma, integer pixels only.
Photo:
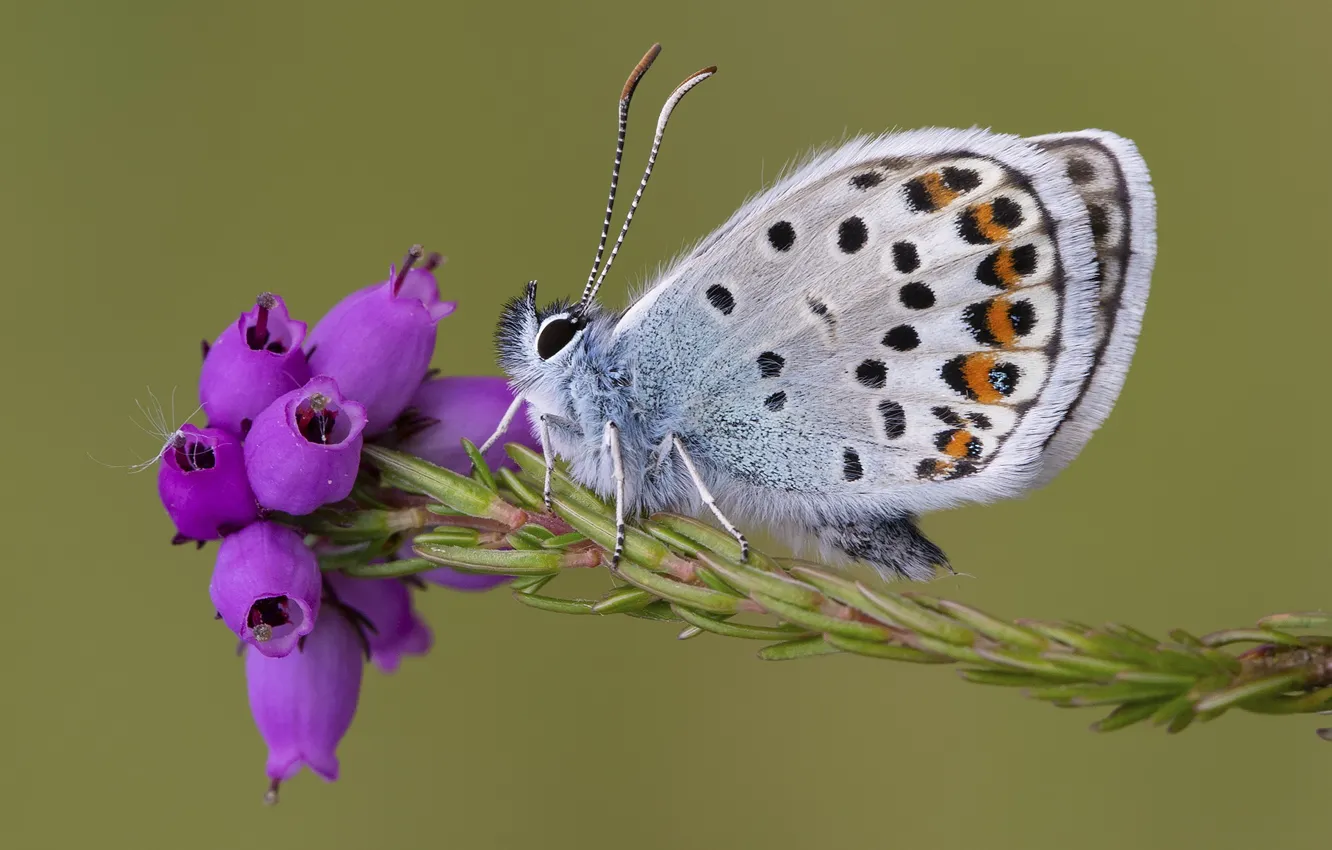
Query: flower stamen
[
  {"x": 399, "y": 275},
  {"x": 315, "y": 419},
  {"x": 257, "y": 336},
  {"x": 192, "y": 455},
  {"x": 267, "y": 614}
]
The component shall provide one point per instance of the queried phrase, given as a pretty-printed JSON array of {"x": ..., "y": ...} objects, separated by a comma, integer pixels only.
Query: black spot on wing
[
  {"x": 906, "y": 259},
  {"x": 894, "y": 419},
  {"x": 948, "y": 416},
  {"x": 955, "y": 378},
  {"x": 776, "y": 401},
  {"x": 1100, "y": 221},
  {"x": 902, "y": 338},
  {"x": 851, "y": 468},
  {"x": 852, "y": 235},
  {"x": 1024, "y": 259},
  {"x": 962, "y": 469},
  {"x": 916, "y": 296},
  {"x": 770, "y": 364},
  {"x": 872, "y": 373},
  {"x": 1006, "y": 212},
  {"x": 1080, "y": 170},
  {"x": 976, "y": 318},
  {"x": 721, "y": 298},
  {"x": 782, "y": 235},
  {"x": 868, "y": 180},
  {"x": 918, "y": 196},
  {"x": 960, "y": 180},
  {"x": 1022, "y": 316}
]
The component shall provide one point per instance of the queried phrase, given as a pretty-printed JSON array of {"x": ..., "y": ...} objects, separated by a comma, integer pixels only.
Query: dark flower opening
[
  {"x": 192, "y": 453},
  {"x": 320, "y": 421},
  {"x": 265, "y": 332},
  {"x": 267, "y": 615}
]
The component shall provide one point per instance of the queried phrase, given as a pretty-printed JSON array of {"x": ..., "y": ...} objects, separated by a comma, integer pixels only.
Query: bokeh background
[{"x": 165, "y": 161}]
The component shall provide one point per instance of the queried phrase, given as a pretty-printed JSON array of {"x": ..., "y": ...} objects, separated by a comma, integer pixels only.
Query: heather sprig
[{"x": 681, "y": 570}]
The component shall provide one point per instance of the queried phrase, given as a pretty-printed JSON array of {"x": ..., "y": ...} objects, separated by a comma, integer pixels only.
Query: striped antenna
[
  {"x": 626, "y": 95},
  {"x": 676, "y": 96}
]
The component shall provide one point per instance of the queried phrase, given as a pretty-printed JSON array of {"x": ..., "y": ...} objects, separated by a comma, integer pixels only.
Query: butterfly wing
[
  {"x": 1110, "y": 176},
  {"x": 900, "y": 324}
]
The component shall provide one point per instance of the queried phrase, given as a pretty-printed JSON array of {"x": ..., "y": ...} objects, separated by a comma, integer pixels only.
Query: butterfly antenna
[
  {"x": 666, "y": 110},
  {"x": 626, "y": 95}
]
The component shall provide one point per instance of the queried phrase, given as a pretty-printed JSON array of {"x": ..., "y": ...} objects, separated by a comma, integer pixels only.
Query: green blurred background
[{"x": 165, "y": 161}]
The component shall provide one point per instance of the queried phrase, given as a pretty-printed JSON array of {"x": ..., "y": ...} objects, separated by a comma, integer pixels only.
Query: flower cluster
[{"x": 288, "y": 415}]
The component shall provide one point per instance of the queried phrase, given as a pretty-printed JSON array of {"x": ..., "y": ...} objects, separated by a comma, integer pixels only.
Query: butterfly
[{"x": 904, "y": 323}]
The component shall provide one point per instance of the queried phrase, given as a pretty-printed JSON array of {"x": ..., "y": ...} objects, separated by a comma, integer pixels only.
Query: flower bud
[
  {"x": 393, "y": 630},
  {"x": 266, "y": 587},
  {"x": 377, "y": 343},
  {"x": 253, "y": 362},
  {"x": 203, "y": 485},
  {"x": 303, "y": 703},
  {"x": 304, "y": 449}
]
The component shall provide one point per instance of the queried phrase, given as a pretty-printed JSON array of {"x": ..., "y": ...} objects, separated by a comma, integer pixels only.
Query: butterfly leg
[
  {"x": 503, "y": 426},
  {"x": 706, "y": 495},
  {"x": 617, "y": 464},
  {"x": 549, "y": 454}
]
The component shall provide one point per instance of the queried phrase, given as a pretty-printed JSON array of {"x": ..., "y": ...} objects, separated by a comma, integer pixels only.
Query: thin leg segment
[
  {"x": 503, "y": 425},
  {"x": 549, "y": 454},
  {"x": 706, "y": 495},
  {"x": 617, "y": 464}
]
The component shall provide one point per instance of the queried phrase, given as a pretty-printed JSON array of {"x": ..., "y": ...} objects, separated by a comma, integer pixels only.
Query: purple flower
[
  {"x": 253, "y": 362},
  {"x": 304, "y": 449},
  {"x": 203, "y": 486},
  {"x": 377, "y": 342},
  {"x": 465, "y": 408},
  {"x": 266, "y": 587},
  {"x": 386, "y": 605},
  {"x": 303, "y": 703}
]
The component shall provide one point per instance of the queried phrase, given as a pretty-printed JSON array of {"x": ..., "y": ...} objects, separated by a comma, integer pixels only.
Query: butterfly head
[{"x": 540, "y": 344}]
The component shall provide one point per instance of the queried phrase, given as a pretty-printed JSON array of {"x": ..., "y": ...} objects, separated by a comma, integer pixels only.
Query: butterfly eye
[{"x": 555, "y": 334}]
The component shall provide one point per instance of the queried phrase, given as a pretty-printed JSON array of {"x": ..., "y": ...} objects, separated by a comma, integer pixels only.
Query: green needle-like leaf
[
  {"x": 479, "y": 467},
  {"x": 456, "y": 491},
  {"x": 497, "y": 561},
  {"x": 793, "y": 649},
  {"x": 700, "y": 598}
]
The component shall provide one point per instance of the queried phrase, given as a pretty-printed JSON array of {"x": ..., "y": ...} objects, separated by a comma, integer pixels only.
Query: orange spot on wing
[
  {"x": 999, "y": 322},
  {"x": 1004, "y": 270},
  {"x": 976, "y": 372},
  {"x": 957, "y": 444},
  {"x": 989, "y": 228},
  {"x": 940, "y": 195}
]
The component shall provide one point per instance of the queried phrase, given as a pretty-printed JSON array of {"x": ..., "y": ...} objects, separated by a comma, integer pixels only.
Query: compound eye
[{"x": 555, "y": 334}]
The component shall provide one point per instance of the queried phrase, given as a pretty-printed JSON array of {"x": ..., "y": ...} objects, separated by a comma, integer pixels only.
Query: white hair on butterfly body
[{"x": 901, "y": 323}]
